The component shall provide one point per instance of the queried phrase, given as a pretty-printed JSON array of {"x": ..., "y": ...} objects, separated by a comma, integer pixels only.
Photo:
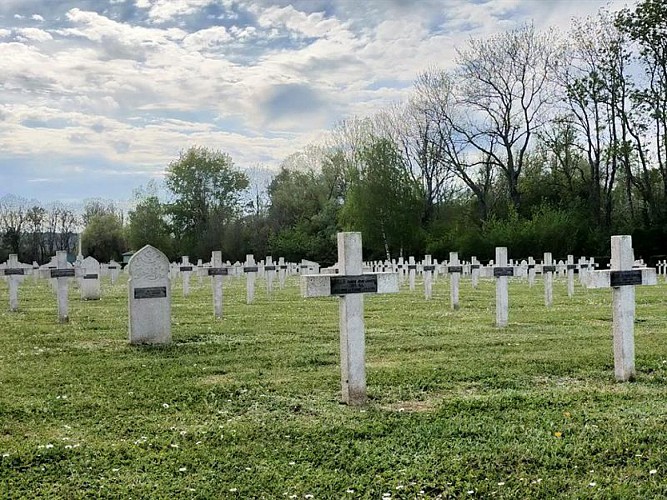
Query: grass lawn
[{"x": 248, "y": 406}]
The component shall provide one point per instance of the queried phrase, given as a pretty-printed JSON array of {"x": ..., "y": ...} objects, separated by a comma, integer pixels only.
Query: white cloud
[
  {"x": 37, "y": 17},
  {"x": 32, "y": 35},
  {"x": 161, "y": 11}
]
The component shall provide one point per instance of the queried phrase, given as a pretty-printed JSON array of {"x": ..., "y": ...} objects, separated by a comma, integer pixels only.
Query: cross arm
[
  {"x": 325, "y": 285},
  {"x": 611, "y": 278}
]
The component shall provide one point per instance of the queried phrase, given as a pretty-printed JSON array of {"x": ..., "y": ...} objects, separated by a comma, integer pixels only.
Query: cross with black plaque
[
  {"x": 428, "y": 269},
  {"x": 62, "y": 274},
  {"x": 350, "y": 285},
  {"x": 474, "y": 271},
  {"x": 501, "y": 271},
  {"x": 250, "y": 269},
  {"x": 217, "y": 271},
  {"x": 454, "y": 269},
  {"x": 548, "y": 270},
  {"x": 185, "y": 269},
  {"x": 270, "y": 273},
  {"x": 15, "y": 273},
  {"x": 622, "y": 279}
]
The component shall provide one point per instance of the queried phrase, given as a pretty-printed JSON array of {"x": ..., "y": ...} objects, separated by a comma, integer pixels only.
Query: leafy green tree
[
  {"x": 148, "y": 226},
  {"x": 103, "y": 237},
  {"x": 206, "y": 189},
  {"x": 383, "y": 201}
]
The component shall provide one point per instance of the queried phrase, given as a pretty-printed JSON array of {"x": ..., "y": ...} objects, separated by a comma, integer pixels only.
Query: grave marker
[
  {"x": 61, "y": 275},
  {"x": 216, "y": 271},
  {"x": 149, "y": 297},
  {"x": 622, "y": 278},
  {"x": 454, "y": 269},
  {"x": 548, "y": 270},
  {"x": 501, "y": 271},
  {"x": 250, "y": 269},
  {"x": 90, "y": 279},
  {"x": 350, "y": 285},
  {"x": 428, "y": 277},
  {"x": 15, "y": 273},
  {"x": 270, "y": 270},
  {"x": 474, "y": 271},
  {"x": 412, "y": 273},
  {"x": 186, "y": 270}
]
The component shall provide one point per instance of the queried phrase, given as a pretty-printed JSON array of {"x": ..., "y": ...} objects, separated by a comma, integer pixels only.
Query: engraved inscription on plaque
[
  {"x": 503, "y": 271},
  {"x": 428, "y": 268},
  {"x": 269, "y": 268},
  {"x": 62, "y": 273},
  {"x": 412, "y": 266},
  {"x": 283, "y": 267},
  {"x": 531, "y": 266},
  {"x": 474, "y": 266},
  {"x": 625, "y": 278},
  {"x": 14, "y": 272},
  {"x": 150, "y": 292},
  {"x": 250, "y": 269},
  {"x": 218, "y": 271},
  {"x": 112, "y": 267},
  {"x": 185, "y": 268},
  {"x": 90, "y": 276},
  {"x": 364, "y": 283},
  {"x": 548, "y": 269},
  {"x": 455, "y": 269},
  {"x": 571, "y": 267}
]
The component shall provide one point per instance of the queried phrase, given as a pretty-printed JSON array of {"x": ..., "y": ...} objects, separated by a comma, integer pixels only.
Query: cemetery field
[{"x": 248, "y": 406}]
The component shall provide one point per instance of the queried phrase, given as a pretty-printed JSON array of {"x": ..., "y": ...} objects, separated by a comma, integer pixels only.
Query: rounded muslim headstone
[{"x": 149, "y": 297}]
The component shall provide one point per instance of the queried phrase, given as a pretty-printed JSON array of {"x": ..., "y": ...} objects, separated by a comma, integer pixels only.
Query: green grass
[{"x": 248, "y": 406}]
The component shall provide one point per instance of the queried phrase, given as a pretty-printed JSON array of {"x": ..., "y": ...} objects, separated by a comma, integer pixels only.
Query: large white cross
[
  {"x": 350, "y": 285},
  {"x": 454, "y": 269},
  {"x": 217, "y": 271},
  {"x": 622, "y": 278}
]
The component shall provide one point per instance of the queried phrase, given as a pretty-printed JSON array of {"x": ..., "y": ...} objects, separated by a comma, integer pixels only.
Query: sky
[{"x": 97, "y": 97}]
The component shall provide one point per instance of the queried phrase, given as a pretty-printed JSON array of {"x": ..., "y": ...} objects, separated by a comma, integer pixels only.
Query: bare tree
[
  {"x": 506, "y": 85},
  {"x": 12, "y": 219}
]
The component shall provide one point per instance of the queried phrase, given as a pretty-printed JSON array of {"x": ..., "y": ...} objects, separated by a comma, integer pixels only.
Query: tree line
[{"x": 538, "y": 141}]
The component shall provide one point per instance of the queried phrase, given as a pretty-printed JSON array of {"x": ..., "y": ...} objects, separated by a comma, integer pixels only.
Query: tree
[
  {"x": 103, "y": 237},
  {"x": 147, "y": 225},
  {"x": 505, "y": 83},
  {"x": 383, "y": 201},
  {"x": 206, "y": 190}
]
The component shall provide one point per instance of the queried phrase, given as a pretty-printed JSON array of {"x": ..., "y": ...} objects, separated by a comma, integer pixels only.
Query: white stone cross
[
  {"x": 412, "y": 272},
  {"x": 428, "y": 269},
  {"x": 217, "y": 271},
  {"x": 114, "y": 270},
  {"x": 501, "y": 271},
  {"x": 15, "y": 273},
  {"x": 251, "y": 269},
  {"x": 62, "y": 274},
  {"x": 270, "y": 271},
  {"x": 185, "y": 269},
  {"x": 454, "y": 269},
  {"x": 350, "y": 285},
  {"x": 531, "y": 271},
  {"x": 622, "y": 278},
  {"x": 570, "y": 266},
  {"x": 474, "y": 271},
  {"x": 282, "y": 272},
  {"x": 548, "y": 270},
  {"x": 149, "y": 296}
]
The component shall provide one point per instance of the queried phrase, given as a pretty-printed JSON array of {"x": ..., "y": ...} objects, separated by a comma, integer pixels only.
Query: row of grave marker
[{"x": 150, "y": 298}]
